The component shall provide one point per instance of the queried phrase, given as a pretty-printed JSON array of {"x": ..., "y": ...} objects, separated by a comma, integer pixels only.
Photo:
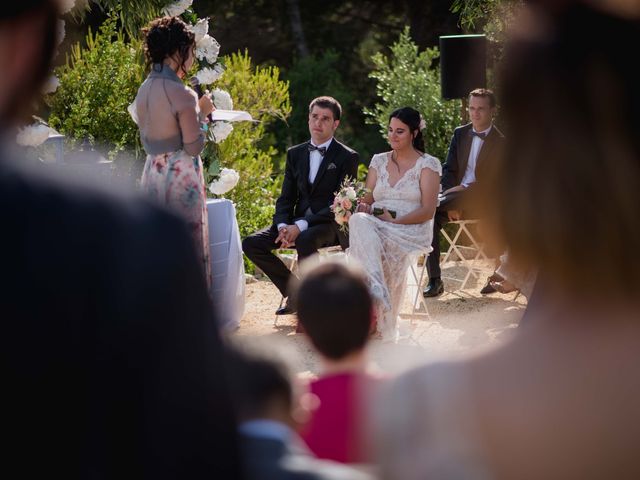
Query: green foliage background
[
  {"x": 410, "y": 77},
  {"x": 97, "y": 84},
  {"x": 248, "y": 149}
]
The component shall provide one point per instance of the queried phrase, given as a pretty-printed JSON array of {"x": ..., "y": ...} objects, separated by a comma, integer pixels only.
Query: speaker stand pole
[{"x": 464, "y": 112}]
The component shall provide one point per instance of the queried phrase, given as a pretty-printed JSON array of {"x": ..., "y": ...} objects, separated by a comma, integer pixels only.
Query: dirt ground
[{"x": 458, "y": 322}]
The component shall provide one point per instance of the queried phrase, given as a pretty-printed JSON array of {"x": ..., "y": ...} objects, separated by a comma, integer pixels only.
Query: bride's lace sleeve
[
  {"x": 376, "y": 162},
  {"x": 427, "y": 161}
]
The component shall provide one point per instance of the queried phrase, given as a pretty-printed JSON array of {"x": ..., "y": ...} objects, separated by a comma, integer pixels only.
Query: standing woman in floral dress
[{"x": 169, "y": 115}]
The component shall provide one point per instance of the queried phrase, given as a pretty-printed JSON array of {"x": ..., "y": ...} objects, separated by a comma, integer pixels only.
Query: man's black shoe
[
  {"x": 286, "y": 310},
  {"x": 489, "y": 288},
  {"x": 434, "y": 288}
]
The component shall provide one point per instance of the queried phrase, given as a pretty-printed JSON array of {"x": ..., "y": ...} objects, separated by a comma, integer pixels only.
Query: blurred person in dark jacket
[
  {"x": 560, "y": 399},
  {"x": 111, "y": 354}
]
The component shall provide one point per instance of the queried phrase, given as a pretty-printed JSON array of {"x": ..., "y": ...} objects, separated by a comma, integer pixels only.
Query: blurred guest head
[
  {"x": 27, "y": 41},
  {"x": 335, "y": 309},
  {"x": 261, "y": 387},
  {"x": 568, "y": 189}
]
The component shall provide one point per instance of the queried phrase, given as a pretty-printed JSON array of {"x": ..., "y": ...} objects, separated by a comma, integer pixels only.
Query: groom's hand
[
  {"x": 287, "y": 236},
  {"x": 292, "y": 233},
  {"x": 282, "y": 237}
]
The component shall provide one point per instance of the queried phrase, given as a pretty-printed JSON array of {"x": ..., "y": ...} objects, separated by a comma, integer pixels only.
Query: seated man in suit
[
  {"x": 313, "y": 173},
  {"x": 472, "y": 149},
  {"x": 270, "y": 447}
]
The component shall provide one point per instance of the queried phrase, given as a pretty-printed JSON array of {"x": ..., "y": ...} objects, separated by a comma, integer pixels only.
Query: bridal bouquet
[{"x": 346, "y": 201}]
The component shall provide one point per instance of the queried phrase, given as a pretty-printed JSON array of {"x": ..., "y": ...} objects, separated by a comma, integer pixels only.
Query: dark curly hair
[
  {"x": 411, "y": 118},
  {"x": 164, "y": 37}
]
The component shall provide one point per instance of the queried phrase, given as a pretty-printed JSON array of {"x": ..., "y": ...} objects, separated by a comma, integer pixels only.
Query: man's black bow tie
[
  {"x": 321, "y": 150},
  {"x": 481, "y": 135}
]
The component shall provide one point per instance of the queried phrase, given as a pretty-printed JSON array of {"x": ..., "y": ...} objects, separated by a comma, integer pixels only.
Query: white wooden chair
[
  {"x": 457, "y": 248},
  {"x": 416, "y": 275}
]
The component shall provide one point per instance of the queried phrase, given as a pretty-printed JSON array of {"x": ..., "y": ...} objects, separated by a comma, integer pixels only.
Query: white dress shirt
[
  {"x": 315, "y": 159},
  {"x": 476, "y": 145}
]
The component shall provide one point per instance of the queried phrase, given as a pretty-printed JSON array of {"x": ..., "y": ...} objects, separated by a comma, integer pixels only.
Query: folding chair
[
  {"x": 455, "y": 247},
  {"x": 416, "y": 274}
]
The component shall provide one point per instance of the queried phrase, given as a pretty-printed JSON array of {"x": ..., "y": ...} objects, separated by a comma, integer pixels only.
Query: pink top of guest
[{"x": 335, "y": 429}]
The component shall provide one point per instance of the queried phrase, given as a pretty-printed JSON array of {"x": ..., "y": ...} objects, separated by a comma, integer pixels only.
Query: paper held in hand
[{"x": 231, "y": 115}]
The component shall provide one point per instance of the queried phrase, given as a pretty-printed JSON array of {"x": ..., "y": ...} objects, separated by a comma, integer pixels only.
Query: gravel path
[{"x": 459, "y": 323}]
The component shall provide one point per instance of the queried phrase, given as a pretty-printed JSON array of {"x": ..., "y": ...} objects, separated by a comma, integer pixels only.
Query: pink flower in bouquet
[{"x": 346, "y": 200}]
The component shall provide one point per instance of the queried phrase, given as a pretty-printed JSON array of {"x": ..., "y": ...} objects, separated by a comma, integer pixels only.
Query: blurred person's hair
[
  {"x": 567, "y": 190},
  {"x": 46, "y": 12},
  {"x": 166, "y": 36},
  {"x": 256, "y": 382},
  {"x": 327, "y": 102},
  {"x": 334, "y": 307},
  {"x": 484, "y": 93}
]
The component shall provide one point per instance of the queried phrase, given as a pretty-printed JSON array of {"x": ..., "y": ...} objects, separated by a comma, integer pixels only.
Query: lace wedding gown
[{"x": 384, "y": 249}]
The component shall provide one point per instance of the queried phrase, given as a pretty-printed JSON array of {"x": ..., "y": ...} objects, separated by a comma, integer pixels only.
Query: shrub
[
  {"x": 412, "y": 78},
  {"x": 97, "y": 84},
  {"x": 311, "y": 77},
  {"x": 260, "y": 92}
]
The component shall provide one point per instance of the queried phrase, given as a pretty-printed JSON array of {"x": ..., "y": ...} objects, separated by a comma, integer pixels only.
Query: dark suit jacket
[
  {"x": 270, "y": 459},
  {"x": 298, "y": 195},
  {"x": 458, "y": 156},
  {"x": 110, "y": 351}
]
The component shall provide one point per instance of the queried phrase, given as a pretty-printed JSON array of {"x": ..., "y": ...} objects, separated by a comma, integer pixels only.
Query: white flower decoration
[
  {"x": 51, "y": 85},
  {"x": 60, "y": 32},
  {"x": 222, "y": 99},
  {"x": 207, "y": 76},
  {"x": 228, "y": 180},
  {"x": 221, "y": 130},
  {"x": 33, "y": 135},
  {"x": 423, "y": 124},
  {"x": 207, "y": 48},
  {"x": 66, "y": 5},
  {"x": 177, "y": 8},
  {"x": 200, "y": 29},
  {"x": 351, "y": 193}
]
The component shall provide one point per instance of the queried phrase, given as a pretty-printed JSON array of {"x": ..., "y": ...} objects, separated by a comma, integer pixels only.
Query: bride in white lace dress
[{"x": 395, "y": 221}]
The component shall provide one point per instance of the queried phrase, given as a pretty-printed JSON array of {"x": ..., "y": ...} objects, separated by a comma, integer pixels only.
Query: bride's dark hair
[{"x": 412, "y": 119}]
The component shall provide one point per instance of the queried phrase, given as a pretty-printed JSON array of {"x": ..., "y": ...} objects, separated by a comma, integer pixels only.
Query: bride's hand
[
  {"x": 205, "y": 104},
  {"x": 386, "y": 216},
  {"x": 363, "y": 207}
]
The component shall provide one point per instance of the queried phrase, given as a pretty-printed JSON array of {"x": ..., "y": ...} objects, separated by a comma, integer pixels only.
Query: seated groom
[
  {"x": 303, "y": 219},
  {"x": 472, "y": 149}
]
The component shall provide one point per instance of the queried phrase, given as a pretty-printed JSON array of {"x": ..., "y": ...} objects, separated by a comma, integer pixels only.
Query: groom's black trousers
[{"x": 258, "y": 247}]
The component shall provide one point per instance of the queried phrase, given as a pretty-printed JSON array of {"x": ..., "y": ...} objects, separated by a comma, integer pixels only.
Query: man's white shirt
[
  {"x": 476, "y": 144},
  {"x": 315, "y": 159}
]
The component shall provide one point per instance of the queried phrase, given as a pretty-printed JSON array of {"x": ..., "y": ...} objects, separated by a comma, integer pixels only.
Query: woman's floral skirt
[{"x": 176, "y": 181}]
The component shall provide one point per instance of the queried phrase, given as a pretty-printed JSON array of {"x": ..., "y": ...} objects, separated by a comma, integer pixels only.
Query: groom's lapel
[
  {"x": 465, "y": 148},
  {"x": 326, "y": 160},
  {"x": 304, "y": 166}
]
